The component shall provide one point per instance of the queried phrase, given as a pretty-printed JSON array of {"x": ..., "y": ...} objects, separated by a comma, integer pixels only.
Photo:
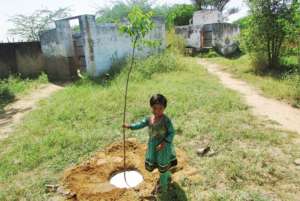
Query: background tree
[
  {"x": 121, "y": 9},
  {"x": 180, "y": 14},
  {"x": 216, "y": 5},
  {"x": 28, "y": 27},
  {"x": 211, "y": 4},
  {"x": 270, "y": 24},
  {"x": 292, "y": 45}
]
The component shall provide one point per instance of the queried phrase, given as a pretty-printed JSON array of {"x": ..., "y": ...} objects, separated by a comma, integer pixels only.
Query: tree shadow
[
  {"x": 175, "y": 193},
  {"x": 213, "y": 53},
  {"x": 280, "y": 72},
  {"x": 236, "y": 55},
  {"x": 7, "y": 116}
]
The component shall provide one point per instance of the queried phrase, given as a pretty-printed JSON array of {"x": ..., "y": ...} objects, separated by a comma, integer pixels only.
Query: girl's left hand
[
  {"x": 160, "y": 146},
  {"x": 126, "y": 126}
]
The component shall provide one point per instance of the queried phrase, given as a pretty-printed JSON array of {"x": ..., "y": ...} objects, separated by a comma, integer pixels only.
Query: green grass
[
  {"x": 208, "y": 54},
  {"x": 14, "y": 86},
  {"x": 283, "y": 87},
  {"x": 290, "y": 60},
  {"x": 253, "y": 161}
]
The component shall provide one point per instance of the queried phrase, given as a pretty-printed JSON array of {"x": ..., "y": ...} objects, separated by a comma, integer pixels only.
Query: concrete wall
[
  {"x": 207, "y": 17},
  {"x": 102, "y": 44},
  {"x": 107, "y": 44},
  {"x": 87, "y": 27},
  {"x": 24, "y": 58},
  {"x": 191, "y": 34},
  {"x": 224, "y": 37},
  {"x": 58, "y": 50}
]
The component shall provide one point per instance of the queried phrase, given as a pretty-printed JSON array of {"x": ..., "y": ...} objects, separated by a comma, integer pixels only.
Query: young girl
[{"x": 160, "y": 151}]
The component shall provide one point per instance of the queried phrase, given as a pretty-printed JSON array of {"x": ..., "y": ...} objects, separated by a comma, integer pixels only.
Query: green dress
[{"x": 160, "y": 131}]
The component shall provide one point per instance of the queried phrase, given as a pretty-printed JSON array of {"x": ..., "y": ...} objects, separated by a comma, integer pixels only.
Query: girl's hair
[{"x": 158, "y": 99}]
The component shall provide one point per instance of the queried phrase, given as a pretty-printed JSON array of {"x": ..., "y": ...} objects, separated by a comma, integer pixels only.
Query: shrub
[
  {"x": 175, "y": 42},
  {"x": 179, "y": 15},
  {"x": 144, "y": 68},
  {"x": 209, "y": 54},
  {"x": 294, "y": 81},
  {"x": 159, "y": 63},
  {"x": 259, "y": 63},
  {"x": 5, "y": 94}
]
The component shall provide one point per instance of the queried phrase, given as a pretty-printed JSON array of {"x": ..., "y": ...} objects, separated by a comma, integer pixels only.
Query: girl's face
[{"x": 158, "y": 110}]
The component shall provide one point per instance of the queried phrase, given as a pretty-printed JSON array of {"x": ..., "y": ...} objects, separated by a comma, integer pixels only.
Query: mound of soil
[{"x": 90, "y": 180}]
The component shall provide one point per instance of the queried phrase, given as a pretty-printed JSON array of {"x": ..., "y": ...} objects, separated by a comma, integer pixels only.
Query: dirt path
[
  {"x": 282, "y": 113},
  {"x": 14, "y": 112}
]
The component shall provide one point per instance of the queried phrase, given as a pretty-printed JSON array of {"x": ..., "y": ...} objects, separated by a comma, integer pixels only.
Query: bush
[
  {"x": 208, "y": 54},
  {"x": 259, "y": 63},
  {"x": 175, "y": 42},
  {"x": 180, "y": 15},
  {"x": 144, "y": 68},
  {"x": 243, "y": 22},
  {"x": 294, "y": 81},
  {"x": 158, "y": 63},
  {"x": 5, "y": 94}
]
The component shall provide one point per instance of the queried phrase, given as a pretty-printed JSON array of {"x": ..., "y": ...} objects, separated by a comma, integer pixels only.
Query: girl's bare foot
[{"x": 157, "y": 189}]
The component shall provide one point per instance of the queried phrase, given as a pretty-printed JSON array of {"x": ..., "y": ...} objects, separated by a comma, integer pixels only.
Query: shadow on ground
[
  {"x": 175, "y": 193},
  {"x": 5, "y": 117}
]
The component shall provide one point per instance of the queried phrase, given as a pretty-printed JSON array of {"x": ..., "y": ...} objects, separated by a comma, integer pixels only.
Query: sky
[{"x": 10, "y": 8}]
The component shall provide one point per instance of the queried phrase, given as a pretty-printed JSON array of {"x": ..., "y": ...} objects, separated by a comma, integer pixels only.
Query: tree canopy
[
  {"x": 28, "y": 27},
  {"x": 212, "y": 4},
  {"x": 269, "y": 26},
  {"x": 178, "y": 14},
  {"x": 121, "y": 9}
]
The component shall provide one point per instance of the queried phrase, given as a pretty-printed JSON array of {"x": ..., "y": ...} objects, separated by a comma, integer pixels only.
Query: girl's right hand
[{"x": 126, "y": 126}]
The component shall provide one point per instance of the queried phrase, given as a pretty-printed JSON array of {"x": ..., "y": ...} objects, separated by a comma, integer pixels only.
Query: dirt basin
[{"x": 90, "y": 180}]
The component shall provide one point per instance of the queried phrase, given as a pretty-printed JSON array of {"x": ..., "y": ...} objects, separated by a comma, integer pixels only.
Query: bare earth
[
  {"x": 14, "y": 112},
  {"x": 90, "y": 179},
  {"x": 285, "y": 115}
]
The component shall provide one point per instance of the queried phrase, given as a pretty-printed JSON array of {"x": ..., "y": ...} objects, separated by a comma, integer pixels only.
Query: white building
[
  {"x": 93, "y": 49},
  {"x": 207, "y": 17},
  {"x": 207, "y": 29}
]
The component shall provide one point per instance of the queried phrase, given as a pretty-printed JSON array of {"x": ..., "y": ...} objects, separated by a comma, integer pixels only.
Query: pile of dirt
[{"x": 90, "y": 180}]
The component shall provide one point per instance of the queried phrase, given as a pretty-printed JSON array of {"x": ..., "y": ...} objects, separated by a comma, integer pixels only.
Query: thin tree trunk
[
  {"x": 125, "y": 106},
  {"x": 279, "y": 41},
  {"x": 269, "y": 51},
  {"x": 273, "y": 51}
]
